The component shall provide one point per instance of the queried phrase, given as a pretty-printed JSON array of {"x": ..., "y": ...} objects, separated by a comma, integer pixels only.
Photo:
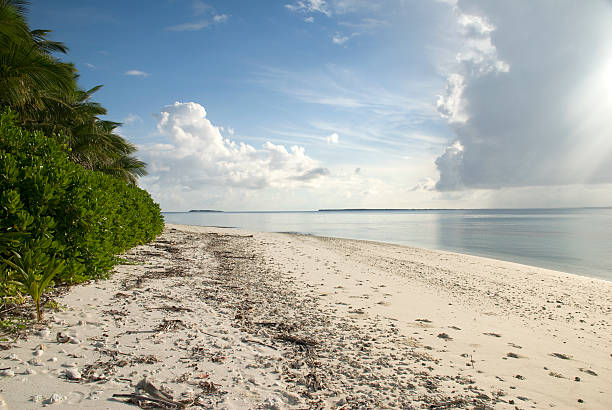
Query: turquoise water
[{"x": 570, "y": 240}]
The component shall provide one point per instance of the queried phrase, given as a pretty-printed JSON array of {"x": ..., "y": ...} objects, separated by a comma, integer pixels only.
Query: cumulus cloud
[
  {"x": 450, "y": 105},
  {"x": 137, "y": 73},
  {"x": 528, "y": 99},
  {"x": 198, "y": 156},
  {"x": 333, "y": 138},
  {"x": 449, "y": 164}
]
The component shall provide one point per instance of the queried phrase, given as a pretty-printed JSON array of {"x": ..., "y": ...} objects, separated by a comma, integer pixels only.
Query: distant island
[{"x": 204, "y": 210}]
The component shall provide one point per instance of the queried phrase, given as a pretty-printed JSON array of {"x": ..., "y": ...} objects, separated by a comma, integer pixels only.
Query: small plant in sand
[{"x": 34, "y": 273}]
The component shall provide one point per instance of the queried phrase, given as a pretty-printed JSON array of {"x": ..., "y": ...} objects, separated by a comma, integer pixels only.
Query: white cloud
[
  {"x": 450, "y": 105},
  {"x": 427, "y": 184},
  {"x": 203, "y": 22},
  {"x": 198, "y": 155},
  {"x": 449, "y": 164},
  {"x": 527, "y": 99},
  {"x": 333, "y": 138},
  {"x": 310, "y": 6},
  {"x": 189, "y": 26},
  {"x": 339, "y": 39},
  {"x": 309, "y": 19},
  {"x": 90, "y": 66},
  {"x": 131, "y": 119},
  {"x": 137, "y": 73},
  {"x": 220, "y": 18},
  {"x": 197, "y": 167},
  {"x": 338, "y": 7},
  {"x": 478, "y": 57}
]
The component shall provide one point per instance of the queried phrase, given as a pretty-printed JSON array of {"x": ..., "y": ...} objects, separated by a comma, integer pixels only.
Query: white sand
[{"x": 369, "y": 325}]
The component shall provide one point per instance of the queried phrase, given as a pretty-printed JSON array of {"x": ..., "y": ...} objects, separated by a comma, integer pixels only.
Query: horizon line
[{"x": 389, "y": 209}]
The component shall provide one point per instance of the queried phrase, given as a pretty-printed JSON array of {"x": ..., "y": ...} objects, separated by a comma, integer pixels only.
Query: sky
[{"x": 308, "y": 104}]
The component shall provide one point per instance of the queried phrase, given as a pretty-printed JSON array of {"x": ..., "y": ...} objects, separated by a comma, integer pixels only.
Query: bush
[{"x": 83, "y": 218}]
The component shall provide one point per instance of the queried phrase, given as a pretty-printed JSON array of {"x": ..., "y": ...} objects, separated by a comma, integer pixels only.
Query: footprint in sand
[
  {"x": 588, "y": 371},
  {"x": 513, "y": 355},
  {"x": 75, "y": 397}
]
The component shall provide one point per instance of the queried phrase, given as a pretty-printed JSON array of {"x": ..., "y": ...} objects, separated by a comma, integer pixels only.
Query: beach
[{"x": 228, "y": 318}]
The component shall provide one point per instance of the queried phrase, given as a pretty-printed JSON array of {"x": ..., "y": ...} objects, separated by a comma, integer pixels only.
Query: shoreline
[
  {"x": 591, "y": 264},
  {"x": 230, "y": 318},
  {"x": 520, "y": 266}
]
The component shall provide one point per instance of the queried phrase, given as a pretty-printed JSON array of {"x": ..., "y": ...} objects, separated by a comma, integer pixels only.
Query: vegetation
[
  {"x": 43, "y": 91},
  {"x": 69, "y": 202},
  {"x": 35, "y": 273}
]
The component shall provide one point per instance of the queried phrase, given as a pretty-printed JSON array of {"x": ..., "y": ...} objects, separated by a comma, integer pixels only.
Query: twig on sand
[
  {"x": 260, "y": 343},
  {"x": 132, "y": 332},
  {"x": 173, "y": 308},
  {"x": 138, "y": 398},
  {"x": 209, "y": 334}
]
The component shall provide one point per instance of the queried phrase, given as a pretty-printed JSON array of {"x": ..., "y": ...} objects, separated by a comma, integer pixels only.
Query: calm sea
[{"x": 570, "y": 240}]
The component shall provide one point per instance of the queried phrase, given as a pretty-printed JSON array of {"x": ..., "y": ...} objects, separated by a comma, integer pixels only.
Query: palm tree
[
  {"x": 96, "y": 146},
  {"x": 29, "y": 75},
  {"x": 12, "y": 23},
  {"x": 43, "y": 91},
  {"x": 93, "y": 143}
]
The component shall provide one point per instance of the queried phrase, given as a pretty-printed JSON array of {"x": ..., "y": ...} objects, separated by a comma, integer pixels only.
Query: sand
[{"x": 225, "y": 318}]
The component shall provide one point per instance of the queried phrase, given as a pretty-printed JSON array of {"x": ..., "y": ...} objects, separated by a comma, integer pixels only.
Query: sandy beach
[{"x": 226, "y": 318}]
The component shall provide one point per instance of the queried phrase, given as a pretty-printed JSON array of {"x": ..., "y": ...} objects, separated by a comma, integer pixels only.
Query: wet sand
[{"x": 224, "y": 318}]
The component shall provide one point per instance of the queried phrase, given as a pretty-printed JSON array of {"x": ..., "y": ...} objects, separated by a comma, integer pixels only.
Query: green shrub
[{"x": 83, "y": 218}]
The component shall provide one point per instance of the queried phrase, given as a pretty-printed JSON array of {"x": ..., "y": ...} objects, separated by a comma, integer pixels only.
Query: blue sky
[{"x": 306, "y": 104}]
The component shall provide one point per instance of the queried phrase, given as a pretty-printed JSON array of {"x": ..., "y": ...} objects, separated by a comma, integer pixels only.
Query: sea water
[{"x": 577, "y": 240}]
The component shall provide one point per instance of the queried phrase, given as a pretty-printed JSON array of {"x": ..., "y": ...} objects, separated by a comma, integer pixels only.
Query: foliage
[
  {"x": 9, "y": 243},
  {"x": 35, "y": 273},
  {"x": 68, "y": 196},
  {"x": 81, "y": 217},
  {"x": 43, "y": 91}
]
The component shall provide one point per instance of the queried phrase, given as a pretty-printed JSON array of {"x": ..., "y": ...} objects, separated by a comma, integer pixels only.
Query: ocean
[{"x": 576, "y": 240}]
